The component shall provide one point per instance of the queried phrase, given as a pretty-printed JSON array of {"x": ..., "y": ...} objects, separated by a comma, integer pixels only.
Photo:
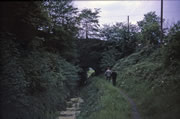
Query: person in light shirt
[{"x": 108, "y": 73}]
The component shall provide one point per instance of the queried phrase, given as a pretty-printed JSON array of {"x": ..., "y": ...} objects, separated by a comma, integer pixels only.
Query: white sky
[{"x": 117, "y": 11}]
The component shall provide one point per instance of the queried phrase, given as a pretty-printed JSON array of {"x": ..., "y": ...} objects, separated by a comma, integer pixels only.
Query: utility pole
[
  {"x": 161, "y": 21},
  {"x": 86, "y": 31},
  {"x": 128, "y": 26}
]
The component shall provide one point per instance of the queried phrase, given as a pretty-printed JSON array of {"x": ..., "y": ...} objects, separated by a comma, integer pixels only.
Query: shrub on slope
[{"x": 154, "y": 88}]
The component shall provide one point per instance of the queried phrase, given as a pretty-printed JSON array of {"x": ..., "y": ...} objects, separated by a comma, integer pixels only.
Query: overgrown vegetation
[
  {"x": 149, "y": 74},
  {"x": 38, "y": 73},
  {"x": 46, "y": 46},
  {"x": 153, "y": 84},
  {"x": 103, "y": 101}
]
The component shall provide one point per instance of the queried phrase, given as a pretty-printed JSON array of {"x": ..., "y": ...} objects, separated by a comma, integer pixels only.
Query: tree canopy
[{"x": 89, "y": 23}]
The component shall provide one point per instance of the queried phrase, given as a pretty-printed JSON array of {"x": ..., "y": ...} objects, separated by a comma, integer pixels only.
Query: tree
[
  {"x": 89, "y": 23},
  {"x": 34, "y": 82},
  {"x": 118, "y": 34},
  {"x": 172, "y": 48},
  {"x": 150, "y": 28},
  {"x": 62, "y": 13},
  {"x": 63, "y": 29},
  {"x": 17, "y": 16},
  {"x": 172, "y": 31}
]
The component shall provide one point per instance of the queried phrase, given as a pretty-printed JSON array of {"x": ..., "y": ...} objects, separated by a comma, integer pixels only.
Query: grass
[
  {"x": 103, "y": 101},
  {"x": 154, "y": 89},
  {"x": 142, "y": 75}
]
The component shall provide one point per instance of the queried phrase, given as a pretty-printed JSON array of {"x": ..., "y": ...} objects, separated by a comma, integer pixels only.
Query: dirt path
[
  {"x": 135, "y": 112},
  {"x": 72, "y": 110}
]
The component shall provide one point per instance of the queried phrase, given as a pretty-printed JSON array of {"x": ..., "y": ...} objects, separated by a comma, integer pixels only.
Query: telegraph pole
[
  {"x": 86, "y": 31},
  {"x": 161, "y": 21},
  {"x": 128, "y": 26}
]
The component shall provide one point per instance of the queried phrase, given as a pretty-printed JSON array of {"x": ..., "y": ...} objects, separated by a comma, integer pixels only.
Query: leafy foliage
[
  {"x": 63, "y": 29},
  {"x": 150, "y": 28},
  {"x": 154, "y": 88},
  {"x": 89, "y": 23},
  {"x": 122, "y": 40},
  {"x": 22, "y": 18},
  {"x": 37, "y": 84},
  {"x": 40, "y": 50},
  {"x": 171, "y": 51},
  {"x": 36, "y": 79}
]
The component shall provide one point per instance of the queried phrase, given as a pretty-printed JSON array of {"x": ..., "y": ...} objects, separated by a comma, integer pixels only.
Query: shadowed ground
[{"x": 72, "y": 110}]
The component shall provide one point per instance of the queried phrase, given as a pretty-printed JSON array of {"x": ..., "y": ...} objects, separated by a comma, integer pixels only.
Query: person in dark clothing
[{"x": 114, "y": 75}]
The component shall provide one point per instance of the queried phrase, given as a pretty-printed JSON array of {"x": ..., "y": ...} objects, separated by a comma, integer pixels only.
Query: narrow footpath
[
  {"x": 72, "y": 110},
  {"x": 135, "y": 113}
]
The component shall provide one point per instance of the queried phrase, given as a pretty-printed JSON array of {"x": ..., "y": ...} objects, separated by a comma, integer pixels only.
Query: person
[
  {"x": 90, "y": 72},
  {"x": 108, "y": 74},
  {"x": 114, "y": 75}
]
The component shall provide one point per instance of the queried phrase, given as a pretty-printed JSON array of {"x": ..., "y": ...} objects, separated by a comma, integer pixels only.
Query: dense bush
[
  {"x": 35, "y": 78},
  {"x": 154, "y": 88},
  {"x": 36, "y": 84},
  {"x": 171, "y": 51}
]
